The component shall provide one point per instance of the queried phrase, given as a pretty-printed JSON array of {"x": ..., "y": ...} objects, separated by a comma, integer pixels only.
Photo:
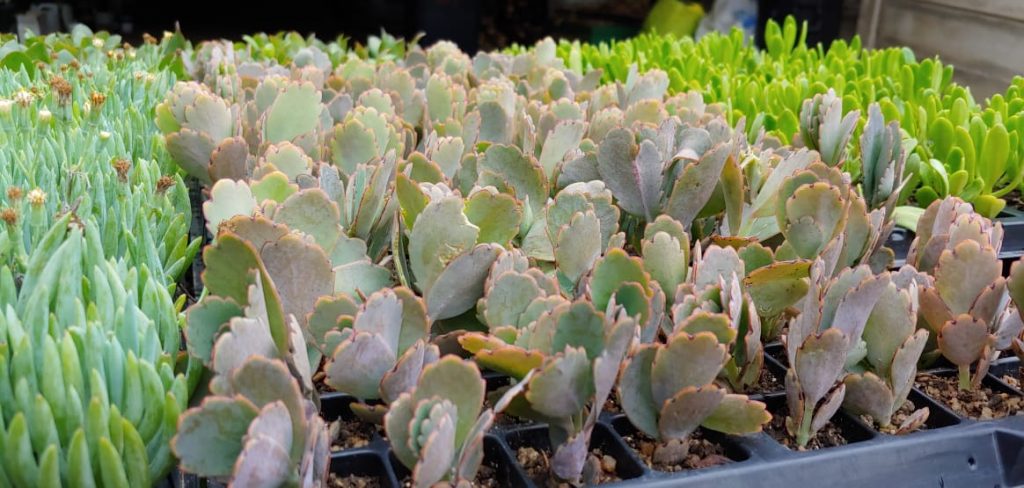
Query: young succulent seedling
[
  {"x": 824, "y": 128},
  {"x": 824, "y": 338},
  {"x": 93, "y": 397},
  {"x": 878, "y": 385},
  {"x": 943, "y": 225},
  {"x": 773, "y": 286},
  {"x": 668, "y": 391},
  {"x": 452, "y": 243},
  {"x": 437, "y": 428},
  {"x": 1015, "y": 285},
  {"x": 820, "y": 214},
  {"x": 255, "y": 429},
  {"x": 376, "y": 350},
  {"x": 674, "y": 173},
  {"x": 726, "y": 311},
  {"x": 882, "y": 161},
  {"x": 966, "y": 305},
  {"x": 565, "y": 364}
]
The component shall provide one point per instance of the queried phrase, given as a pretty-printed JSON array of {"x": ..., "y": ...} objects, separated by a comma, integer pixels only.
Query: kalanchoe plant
[
  {"x": 878, "y": 385},
  {"x": 944, "y": 225},
  {"x": 726, "y": 311},
  {"x": 375, "y": 351},
  {"x": 824, "y": 128},
  {"x": 668, "y": 391},
  {"x": 249, "y": 309},
  {"x": 255, "y": 429},
  {"x": 673, "y": 169},
  {"x": 1015, "y": 285},
  {"x": 437, "y": 428},
  {"x": 824, "y": 338},
  {"x": 882, "y": 161},
  {"x": 565, "y": 364},
  {"x": 965, "y": 307},
  {"x": 774, "y": 287}
]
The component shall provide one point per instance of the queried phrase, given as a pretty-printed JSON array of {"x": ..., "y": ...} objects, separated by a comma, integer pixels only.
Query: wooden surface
[{"x": 982, "y": 39}]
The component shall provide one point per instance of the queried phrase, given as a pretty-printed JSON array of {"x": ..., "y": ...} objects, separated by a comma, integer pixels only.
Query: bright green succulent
[{"x": 94, "y": 398}]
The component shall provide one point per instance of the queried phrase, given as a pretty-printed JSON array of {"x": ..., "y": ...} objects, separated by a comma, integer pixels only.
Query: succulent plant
[
  {"x": 893, "y": 345},
  {"x": 452, "y": 243},
  {"x": 726, "y": 311},
  {"x": 945, "y": 224},
  {"x": 515, "y": 295},
  {"x": 255, "y": 429},
  {"x": 667, "y": 391},
  {"x": 774, "y": 286},
  {"x": 826, "y": 336},
  {"x": 1015, "y": 286},
  {"x": 249, "y": 309},
  {"x": 378, "y": 350},
  {"x": 196, "y": 122},
  {"x": 94, "y": 397},
  {"x": 437, "y": 428},
  {"x": 566, "y": 363},
  {"x": 673, "y": 172},
  {"x": 966, "y": 305},
  {"x": 824, "y": 128},
  {"x": 819, "y": 214},
  {"x": 882, "y": 161}
]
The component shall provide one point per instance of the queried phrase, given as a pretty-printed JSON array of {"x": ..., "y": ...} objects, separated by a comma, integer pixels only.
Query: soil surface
[
  {"x": 980, "y": 404},
  {"x": 695, "y": 452},
  {"x": 486, "y": 477},
  {"x": 1012, "y": 380},
  {"x": 768, "y": 383},
  {"x": 352, "y": 433},
  {"x": 828, "y": 436},
  {"x": 537, "y": 464},
  {"x": 612, "y": 404},
  {"x": 897, "y": 419},
  {"x": 354, "y": 481}
]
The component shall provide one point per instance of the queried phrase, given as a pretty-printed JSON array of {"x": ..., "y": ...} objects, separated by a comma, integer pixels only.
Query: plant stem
[
  {"x": 803, "y": 434},
  {"x": 965, "y": 377}
]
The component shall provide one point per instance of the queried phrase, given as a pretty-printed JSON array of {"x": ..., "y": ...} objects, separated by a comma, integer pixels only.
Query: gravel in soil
[
  {"x": 828, "y": 436},
  {"x": 897, "y": 419},
  {"x": 1012, "y": 380},
  {"x": 486, "y": 477},
  {"x": 537, "y": 464},
  {"x": 980, "y": 404},
  {"x": 352, "y": 433},
  {"x": 768, "y": 383},
  {"x": 695, "y": 452},
  {"x": 353, "y": 481}
]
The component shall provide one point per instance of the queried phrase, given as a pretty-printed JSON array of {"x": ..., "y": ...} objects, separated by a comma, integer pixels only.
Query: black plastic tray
[
  {"x": 952, "y": 452},
  {"x": 197, "y": 228},
  {"x": 1013, "y": 239}
]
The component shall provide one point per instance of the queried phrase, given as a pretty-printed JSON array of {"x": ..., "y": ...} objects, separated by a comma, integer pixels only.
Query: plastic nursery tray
[
  {"x": 197, "y": 228},
  {"x": 1013, "y": 239},
  {"x": 951, "y": 452}
]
